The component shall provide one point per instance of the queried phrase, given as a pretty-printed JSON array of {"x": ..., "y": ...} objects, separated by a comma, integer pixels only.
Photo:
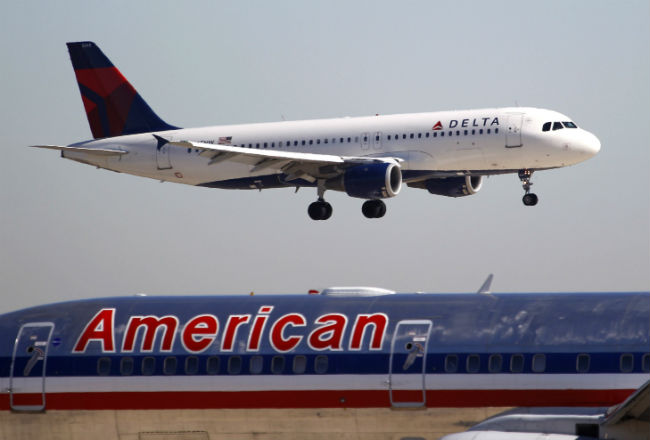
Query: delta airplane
[
  {"x": 345, "y": 362},
  {"x": 447, "y": 153}
]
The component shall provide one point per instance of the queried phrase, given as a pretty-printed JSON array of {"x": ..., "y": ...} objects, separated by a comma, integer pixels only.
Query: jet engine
[
  {"x": 371, "y": 181},
  {"x": 454, "y": 186}
]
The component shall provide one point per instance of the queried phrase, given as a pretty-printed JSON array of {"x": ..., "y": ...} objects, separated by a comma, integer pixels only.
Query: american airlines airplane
[
  {"x": 348, "y": 362},
  {"x": 447, "y": 153}
]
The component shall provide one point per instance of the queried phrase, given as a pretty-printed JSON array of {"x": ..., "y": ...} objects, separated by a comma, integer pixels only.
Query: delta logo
[{"x": 467, "y": 123}]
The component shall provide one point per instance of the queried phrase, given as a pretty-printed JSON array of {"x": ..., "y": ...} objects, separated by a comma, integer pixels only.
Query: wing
[
  {"x": 308, "y": 166},
  {"x": 637, "y": 407},
  {"x": 97, "y": 151}
]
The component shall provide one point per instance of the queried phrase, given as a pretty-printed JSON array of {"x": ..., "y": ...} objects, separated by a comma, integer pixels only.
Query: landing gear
[
  {"x": 529, "y": 199},
  {"x": 320, "y": 210},
  {"x": 373, "y": 208}
]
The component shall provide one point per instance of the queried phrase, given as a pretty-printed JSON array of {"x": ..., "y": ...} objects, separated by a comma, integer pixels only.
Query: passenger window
[
  {"x": 457, "y": 132},
  {"x": 473, "y": 363},
  {"x": 234, "y": 365},
  {"x": 148, "y": 366},
  {"x": 557, "y": 126},
  {"x": 419, "y": 135},
  {"x": 349, "y": 140},
  {"x": 404, "y": 136},
  {"x": 496, "y": 130},
  {"x": 388, "y": 137},
  {"x": 266, "y": 144},
  {"x": 627, "y": 363},
  {"x": 104, "y": 366},
  {"x": 451, "y": 363},
  {"x": 451, "y": 133},
  {"x": 341, "y": 140},
  {"x": 473, "y": 131},
  {"x": 126, "y": 366},
  {"x": 303, "y": 142},
  {"x": 435, "y": 134},
  {"x": 321, "y": 364},
  {"x": 311, "y": 142},
  {"x": 411, "y": 136},
  {"x": 442, "y": 134},
  {"x": 365, "y": 138},
  {"x": 272, "y": 144},
  {"x": 465, "y": 132},
  {"x": 299, "y": 364},
  {"x": 488, "y": 131},
  {"x": 376, "y": 138},
  {"x": 546, "y": 126},
  {"x": 494, "y": 363},
  {"x": 539, "y": 363},
  {"x": 256, "y": 364},
  {"x": 516, "y": 363},
  {"x": 645, "y": 363},
  {"x": 257, "y": 145},
  {"x": 169, "y": 365},
  {"x": 427, "y": 135},
  {"x": 325, "y": 140},
  {"x": 582, "y": 363},
  {"x": 569, "y": 124},
  {"x": 480, "y": 131},
  {"x": 212, "y": 366},
  {"x": 295, "y": 143},
  {"x": 277, "y": 365},
  {"x": 191, "y": 365},
  {"x": 317, "y": 141}
]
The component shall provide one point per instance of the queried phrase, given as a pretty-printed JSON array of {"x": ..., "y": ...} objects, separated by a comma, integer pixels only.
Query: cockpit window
[
  {"x": 569, "y": 124},
  {"x": 546, "y": 126},
  {"x": 557, "y": 126}
]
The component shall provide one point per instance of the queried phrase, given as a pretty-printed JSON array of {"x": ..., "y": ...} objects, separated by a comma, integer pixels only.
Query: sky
[{"x": 70, "y": 231}]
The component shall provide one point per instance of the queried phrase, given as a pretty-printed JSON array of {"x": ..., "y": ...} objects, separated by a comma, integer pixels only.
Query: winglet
[{"x": 485, "y": 287}]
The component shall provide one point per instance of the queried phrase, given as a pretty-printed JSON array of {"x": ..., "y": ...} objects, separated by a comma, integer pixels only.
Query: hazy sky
[{"x": 71, "y": 231}]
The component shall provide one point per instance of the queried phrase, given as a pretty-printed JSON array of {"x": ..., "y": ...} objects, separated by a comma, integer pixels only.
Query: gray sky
[{"x": 70, "y": 231}]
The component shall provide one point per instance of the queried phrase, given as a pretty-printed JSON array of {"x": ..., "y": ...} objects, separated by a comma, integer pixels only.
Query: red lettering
[
  {"x": 378, "y": 322},
  {"x": 99, "y": 329},
  {"x": 234, "y": 321},
  {"x": 278, "y": 341},
  {"x": 330, "y": 335},
  {"x": 200, "y": 332},
  {"x": 151, "y": 325},
  {"x": 258, "y": 328}
]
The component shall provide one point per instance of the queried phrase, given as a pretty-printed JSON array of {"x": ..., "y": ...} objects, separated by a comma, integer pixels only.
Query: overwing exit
[{"x": 447, "y": 153}]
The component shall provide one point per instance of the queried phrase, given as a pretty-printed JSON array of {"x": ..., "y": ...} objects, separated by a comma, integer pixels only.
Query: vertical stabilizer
[{"x": 112, "y": 105}]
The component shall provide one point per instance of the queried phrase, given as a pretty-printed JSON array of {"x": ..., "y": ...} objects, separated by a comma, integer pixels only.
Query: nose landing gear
[{"x": 529, "y": 199}]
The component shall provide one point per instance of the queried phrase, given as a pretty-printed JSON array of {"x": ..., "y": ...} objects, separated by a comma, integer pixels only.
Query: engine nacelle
[
  {"x": 454, "y": 186},
  {"x": 372, "y": 181}
]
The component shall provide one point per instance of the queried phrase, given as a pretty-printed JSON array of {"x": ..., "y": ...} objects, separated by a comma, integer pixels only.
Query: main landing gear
[
  {"x": 373, "y": 208},
  {"x": 529, "y": 199},
  {"x": 320, "y": 209}
]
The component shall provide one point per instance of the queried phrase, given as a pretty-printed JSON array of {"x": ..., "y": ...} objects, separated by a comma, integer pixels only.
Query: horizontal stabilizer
[{"x": 96, "y": 151}]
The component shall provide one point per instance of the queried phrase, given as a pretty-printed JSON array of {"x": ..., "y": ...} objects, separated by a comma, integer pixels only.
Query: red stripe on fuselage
[{"x": 322, "y": 399}]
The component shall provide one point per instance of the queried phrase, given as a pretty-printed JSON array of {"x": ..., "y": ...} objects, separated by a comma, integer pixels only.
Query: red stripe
[{"x": 324, "y": 399}]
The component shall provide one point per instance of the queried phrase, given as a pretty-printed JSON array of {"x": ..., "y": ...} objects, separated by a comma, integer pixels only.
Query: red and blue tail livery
[{"x": 113, "y": 106}]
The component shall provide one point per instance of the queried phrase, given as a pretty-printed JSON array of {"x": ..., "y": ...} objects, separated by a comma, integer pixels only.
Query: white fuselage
[{"x": 476, "y": 142}]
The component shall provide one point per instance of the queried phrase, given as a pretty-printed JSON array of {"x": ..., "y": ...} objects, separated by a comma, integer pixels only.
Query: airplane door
[
  {"x": 377, "y": 141},
  {"x": 365, "y": 141},
  {"x": 513, "y": 130},
  {"x": 162, "y": 156},
  {"x": 407, "y": 367},
  {"x": 28, "y": 362}
]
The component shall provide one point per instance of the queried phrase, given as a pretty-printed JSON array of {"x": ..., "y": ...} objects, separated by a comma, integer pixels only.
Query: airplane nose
[{"x": 589, "y": 144}]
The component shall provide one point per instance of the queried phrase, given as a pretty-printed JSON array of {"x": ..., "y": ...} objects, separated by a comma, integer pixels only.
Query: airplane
[
  {"x": 353, "y": 362},
  {"x": 447, "y": 153}
]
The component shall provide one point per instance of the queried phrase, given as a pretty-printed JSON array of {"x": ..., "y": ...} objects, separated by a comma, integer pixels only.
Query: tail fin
[{"x": 113, "y": 106}]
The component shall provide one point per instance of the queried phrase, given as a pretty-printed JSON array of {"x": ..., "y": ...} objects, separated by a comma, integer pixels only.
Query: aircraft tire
[{"x": 530, "y": 199}]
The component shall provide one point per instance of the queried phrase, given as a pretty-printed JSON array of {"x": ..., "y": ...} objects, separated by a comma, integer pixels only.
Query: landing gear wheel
[
  {"x": 530, "y": 199},
  {"x": 373, "y": 208},
  {"x": 320, "y": 210}
]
